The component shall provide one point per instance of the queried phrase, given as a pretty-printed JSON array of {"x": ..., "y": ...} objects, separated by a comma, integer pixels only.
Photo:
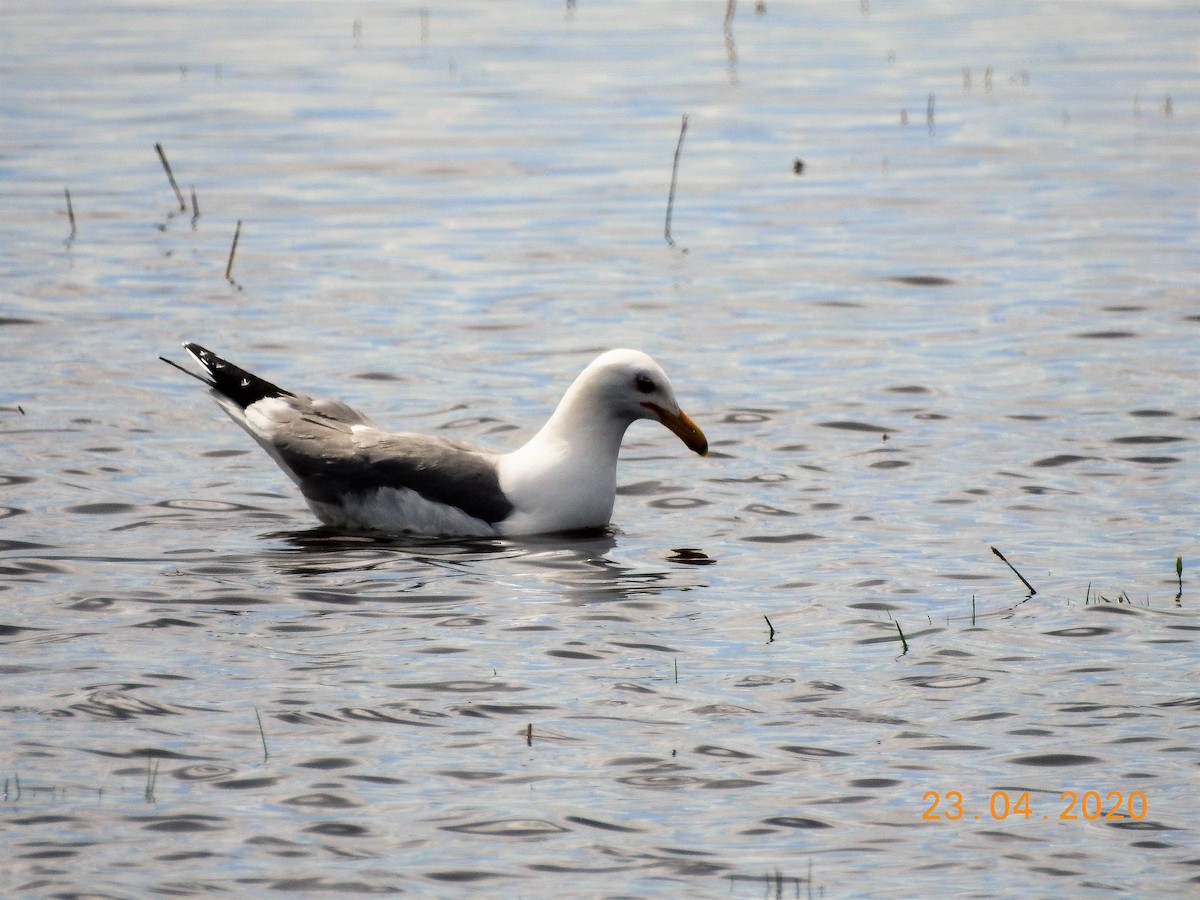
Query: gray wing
[{"x": 333, "y": 451}]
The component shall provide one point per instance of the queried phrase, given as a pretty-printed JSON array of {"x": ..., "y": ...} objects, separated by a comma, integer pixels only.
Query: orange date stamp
[{"x": 1091, "y": 806}]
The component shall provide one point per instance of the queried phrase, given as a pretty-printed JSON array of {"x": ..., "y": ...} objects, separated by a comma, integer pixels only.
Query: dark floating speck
[
  {"x": 1150, "y": 413},
  {"x": 1107, "y": 335},
  {"x": 909, "y": 389},
  {"x": 689, "y": 557}
]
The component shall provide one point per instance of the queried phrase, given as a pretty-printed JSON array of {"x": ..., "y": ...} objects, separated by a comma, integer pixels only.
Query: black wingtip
[{"x": 228, "y": 380}]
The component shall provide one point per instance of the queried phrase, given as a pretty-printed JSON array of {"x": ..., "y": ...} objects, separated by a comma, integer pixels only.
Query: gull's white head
[{"x": 629, "y": 385}]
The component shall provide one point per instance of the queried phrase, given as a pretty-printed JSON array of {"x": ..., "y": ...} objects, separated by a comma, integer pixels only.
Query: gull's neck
[
  {"x": 582, "y": 426},
  {"x": 567, "y": 472}
]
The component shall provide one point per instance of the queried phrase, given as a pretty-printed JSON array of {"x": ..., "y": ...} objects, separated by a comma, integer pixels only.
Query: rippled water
[{"x": 970, "y": 322}]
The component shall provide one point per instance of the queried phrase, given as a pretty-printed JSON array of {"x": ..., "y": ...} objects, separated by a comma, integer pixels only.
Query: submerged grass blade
[{"x": 903, "y": 642}]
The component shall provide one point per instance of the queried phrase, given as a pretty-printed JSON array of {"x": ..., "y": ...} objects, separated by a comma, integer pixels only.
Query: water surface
[{"x": 970, "y": 322}]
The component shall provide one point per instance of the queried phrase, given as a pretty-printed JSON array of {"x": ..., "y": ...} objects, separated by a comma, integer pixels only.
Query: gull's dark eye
[{"x": 644, "y": 383}]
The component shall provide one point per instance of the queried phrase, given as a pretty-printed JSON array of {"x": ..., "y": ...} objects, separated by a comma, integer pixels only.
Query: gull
[{"x": 354, "y": 475}]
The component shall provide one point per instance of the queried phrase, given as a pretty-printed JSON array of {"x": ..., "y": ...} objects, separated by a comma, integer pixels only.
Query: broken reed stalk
[
  {"x": 903, "y": 642},
  {"x": 170, "y": 177},
  {"x": 70, "y": 213},
  {"x": 1179, "y": 575},
  {"x": 771, "y": 630},
  {"x": 674, "y": 177},
  {"x": 237, "y": 233},
  {"x": 262, "y": 734},
  {"x": 195, "y": 206},
  {"x": 529, "y": 735},
  {"x": 1029, "y": 586}
]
